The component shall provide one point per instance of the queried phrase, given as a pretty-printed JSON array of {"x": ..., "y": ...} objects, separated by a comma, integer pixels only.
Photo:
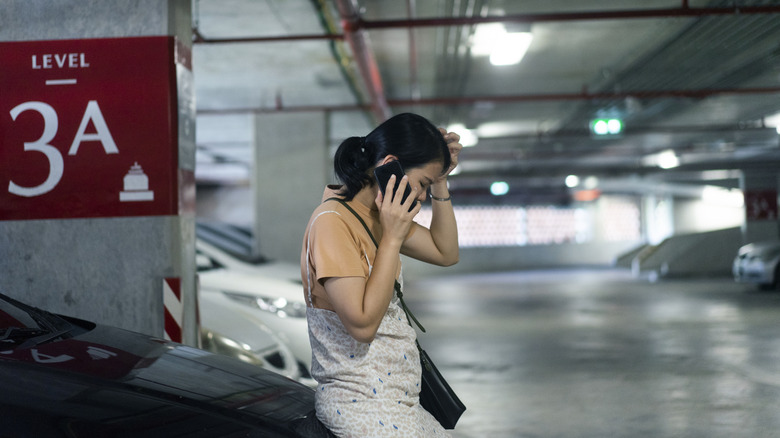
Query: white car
[
  {"x": 758, "y": 263},
  {"x": 226, "y": 330},
  {"x": 252, "y": 289}
]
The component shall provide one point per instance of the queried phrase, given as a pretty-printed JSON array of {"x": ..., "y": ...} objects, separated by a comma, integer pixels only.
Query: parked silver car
[{"x": 758, "y": 263}]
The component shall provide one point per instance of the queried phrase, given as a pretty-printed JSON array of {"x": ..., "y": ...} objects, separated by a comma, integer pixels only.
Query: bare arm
[
  {"x": 439, "y": 244},
  {"x": 362, "y": 303}
]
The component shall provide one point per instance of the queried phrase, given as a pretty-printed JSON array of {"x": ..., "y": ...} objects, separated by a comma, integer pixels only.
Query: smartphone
[{"x": 382, "y": 174}]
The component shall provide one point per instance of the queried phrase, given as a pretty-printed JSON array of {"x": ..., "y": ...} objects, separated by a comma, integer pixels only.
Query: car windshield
[
  {"x": 23, "y": 326},
  {"x": 235, "y": 240}
]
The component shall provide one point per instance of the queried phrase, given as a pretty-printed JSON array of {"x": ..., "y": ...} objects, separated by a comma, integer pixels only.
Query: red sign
[{"x": 88, "y": 128}]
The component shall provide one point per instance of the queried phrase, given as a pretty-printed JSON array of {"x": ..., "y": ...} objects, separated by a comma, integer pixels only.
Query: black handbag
[{"x": 436, "y": 395}]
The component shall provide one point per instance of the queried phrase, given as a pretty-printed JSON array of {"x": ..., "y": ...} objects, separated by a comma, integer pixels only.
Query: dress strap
[{"x": 409, "y": 315}]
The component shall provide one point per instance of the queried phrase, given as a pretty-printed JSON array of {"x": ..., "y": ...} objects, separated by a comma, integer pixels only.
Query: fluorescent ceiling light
[
  {"x": 484, "y": 38},
  {"x": 516, "y": 127},
  {"x": 467, "y": 137},
  {"x": 503, "y": 48},
  {"x": 665, "y": 160},
  {"x": 511, "y": 49},
  {"x": 668, "y": 160},
  {"x": 773, "y": 121}
]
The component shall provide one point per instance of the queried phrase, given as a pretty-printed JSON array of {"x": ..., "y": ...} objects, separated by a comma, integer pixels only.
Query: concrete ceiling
[{"x": 700, "y": 78}]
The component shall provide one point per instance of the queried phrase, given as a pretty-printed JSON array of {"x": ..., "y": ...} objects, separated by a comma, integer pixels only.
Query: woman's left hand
[{"x": 453, "y": 143}]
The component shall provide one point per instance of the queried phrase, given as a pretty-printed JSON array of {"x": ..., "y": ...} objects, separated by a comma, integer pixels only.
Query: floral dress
[
  {"x": 364, "y": 390},
  {"x": 369, "y": 390}
]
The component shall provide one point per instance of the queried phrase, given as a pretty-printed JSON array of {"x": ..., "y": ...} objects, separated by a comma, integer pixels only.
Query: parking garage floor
[{"x": 585, "y": 353}]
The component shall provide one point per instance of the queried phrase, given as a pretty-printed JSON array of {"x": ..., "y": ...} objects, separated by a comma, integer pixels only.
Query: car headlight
[
  {"x": 214, "y": 342},
  {"x": 278, "y": 306}
]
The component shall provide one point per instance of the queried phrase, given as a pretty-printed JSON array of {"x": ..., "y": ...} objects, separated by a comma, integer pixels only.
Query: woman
[{"x": 364, "y": 355}]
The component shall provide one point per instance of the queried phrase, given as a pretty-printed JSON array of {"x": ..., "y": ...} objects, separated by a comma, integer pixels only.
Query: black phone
[{"x": 382, "y": 174}]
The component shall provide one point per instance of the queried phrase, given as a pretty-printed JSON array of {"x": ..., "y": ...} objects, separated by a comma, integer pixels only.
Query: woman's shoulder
[{"x": 330, "y": 215}]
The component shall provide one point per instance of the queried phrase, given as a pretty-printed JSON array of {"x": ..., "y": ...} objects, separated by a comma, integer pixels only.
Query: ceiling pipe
[
  {"x": 646, "y": 94},
  {"x": 198, "y": 38},
  {"x": 465, "y": 100},
  {"x": 284, "y": 109},
  {"x": 353, "y": 23},
  {"x": 681, "y": 12},
  {"x": 364, "y": 56}
]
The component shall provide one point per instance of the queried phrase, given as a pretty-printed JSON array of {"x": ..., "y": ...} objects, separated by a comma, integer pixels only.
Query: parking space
[{"x": 599, "y": 353}]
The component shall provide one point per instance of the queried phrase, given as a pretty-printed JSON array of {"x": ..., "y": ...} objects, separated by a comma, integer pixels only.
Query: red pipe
[
  {"x": 568, "y": 16},
  {"x": 356, "y": 23},
  {"x": 693, "y": 94},
  {"x": 462, "y": 100},
  {"x": 285, "y": 109}
]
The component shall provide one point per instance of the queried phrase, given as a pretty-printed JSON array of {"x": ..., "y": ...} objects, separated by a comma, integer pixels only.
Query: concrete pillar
[
  {"x": 292, "y": 167},
  {"x": 761, "y": 213},
  {"x": 658, "y": 218},
  {"x": 101, "y": 261}
]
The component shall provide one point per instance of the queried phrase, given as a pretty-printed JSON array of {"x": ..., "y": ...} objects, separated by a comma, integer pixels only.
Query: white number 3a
[{"x": 50, "y": 126}]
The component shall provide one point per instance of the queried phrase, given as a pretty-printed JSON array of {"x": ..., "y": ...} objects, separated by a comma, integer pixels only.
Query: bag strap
[{"x": 409, "y": 314}]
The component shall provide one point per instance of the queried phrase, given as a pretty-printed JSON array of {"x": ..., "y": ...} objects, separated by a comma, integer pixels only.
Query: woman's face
[{"x": 422, "y": 177}]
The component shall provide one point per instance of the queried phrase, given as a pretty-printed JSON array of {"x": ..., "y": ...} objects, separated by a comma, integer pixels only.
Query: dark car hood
[{"x": 134, "y": 385}]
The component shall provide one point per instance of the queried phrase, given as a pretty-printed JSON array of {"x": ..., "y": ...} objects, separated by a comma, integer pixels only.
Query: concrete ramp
[{"x": 687, "y": 255}]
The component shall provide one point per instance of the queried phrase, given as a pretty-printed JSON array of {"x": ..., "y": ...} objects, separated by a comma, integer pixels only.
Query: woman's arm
[
  {"x": 362, "y": 303},
  {"x": 439, "y": 244}
]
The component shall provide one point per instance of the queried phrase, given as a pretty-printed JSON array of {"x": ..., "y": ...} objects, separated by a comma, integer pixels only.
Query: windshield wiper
[
  {"x": 29, "y": 337},
  {"x": 20, "y": 333},
  {"x": 51, "y": 326},
  {"x": 43, "y": 338}
]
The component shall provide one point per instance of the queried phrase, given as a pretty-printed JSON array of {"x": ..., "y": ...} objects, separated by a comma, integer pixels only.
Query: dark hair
[{"x": 410, "y": 137}]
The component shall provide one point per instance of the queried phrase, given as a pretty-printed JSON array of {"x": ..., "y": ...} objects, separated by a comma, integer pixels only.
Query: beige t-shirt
[{"x": 337, "y": 245}]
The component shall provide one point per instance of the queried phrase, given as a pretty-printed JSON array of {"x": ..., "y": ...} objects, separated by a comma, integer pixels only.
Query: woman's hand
[
  {"x": 453, "y": 143},
  {"x": 396, "y": 217}
]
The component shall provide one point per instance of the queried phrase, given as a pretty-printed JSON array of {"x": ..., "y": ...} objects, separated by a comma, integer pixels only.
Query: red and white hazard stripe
[{"x": 174, "y": 310}]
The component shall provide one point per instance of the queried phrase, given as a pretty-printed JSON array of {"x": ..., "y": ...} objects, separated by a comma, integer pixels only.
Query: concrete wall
[
  {"x": 494, "y": 259},
  {"x": 95, "y": 269},
  {"x": 695, "y": 216}
]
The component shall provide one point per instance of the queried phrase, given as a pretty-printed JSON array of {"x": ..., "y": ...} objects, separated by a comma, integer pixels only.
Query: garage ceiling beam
[
  {"x": 681, "y": 12},
  {"x": 464, "y": 100}
]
